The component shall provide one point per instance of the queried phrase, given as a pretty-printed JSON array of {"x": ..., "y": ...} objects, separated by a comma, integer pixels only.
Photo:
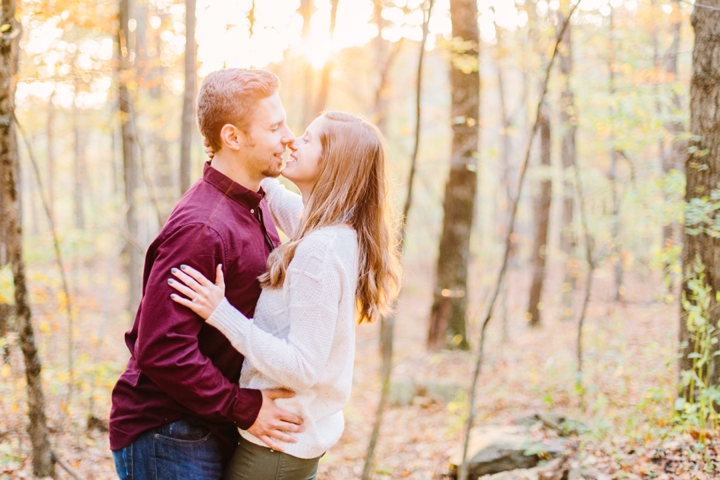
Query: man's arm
[{"x": 167, "y": 349}]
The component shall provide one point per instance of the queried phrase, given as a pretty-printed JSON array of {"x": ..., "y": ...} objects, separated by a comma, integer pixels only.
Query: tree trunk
[
  {"x": 568, "y": 120},
  {"x": 384, "y": 60},
  {"x": 674, "y": 158},
  {"x": 37, "y": 427},
  {"x": 166, "y": 189},
  {"x": 542, "y": 222},
  {"x": 325, "y": 77},
  {"x": 612, "y": 174},
  {"x": 130, "y": 161},
  {"x": 5, "y": 308},
  {"x": 380, "y": 54},
  {"x": 306, "y": 11},
  {"x": 447, "y": 317},
  {"x": 387, "y": 323},
  {"x": 50, "y": 132},
  {"x": 505, "y": 146},
  {"x": 188, "y": 112},
  {"x": 78, "y": 169},
  {"x": 703, "y": 166}
]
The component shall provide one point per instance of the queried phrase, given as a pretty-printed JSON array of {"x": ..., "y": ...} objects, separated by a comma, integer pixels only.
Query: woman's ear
[{"x": 232, "y": 137}]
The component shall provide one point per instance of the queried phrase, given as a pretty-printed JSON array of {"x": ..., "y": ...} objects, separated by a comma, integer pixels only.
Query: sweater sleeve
[
  {"x": 286, "y": 206},
  {"x": 296, "y": 362}
]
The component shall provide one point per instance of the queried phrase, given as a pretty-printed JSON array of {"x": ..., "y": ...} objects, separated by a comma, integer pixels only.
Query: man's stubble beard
[{"x": 271, "y": 172}]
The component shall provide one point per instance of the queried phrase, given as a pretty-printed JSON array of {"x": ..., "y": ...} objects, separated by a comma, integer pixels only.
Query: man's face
[{"x": 266, "y": 138}]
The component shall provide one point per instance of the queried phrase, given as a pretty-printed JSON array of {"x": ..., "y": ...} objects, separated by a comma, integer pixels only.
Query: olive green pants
[{"x": 253, "y": 462}]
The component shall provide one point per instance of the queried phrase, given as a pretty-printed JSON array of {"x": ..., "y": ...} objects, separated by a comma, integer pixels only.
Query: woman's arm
[
  {"x": 296, "y": 362},
  {"x": 286, "y": 206}
]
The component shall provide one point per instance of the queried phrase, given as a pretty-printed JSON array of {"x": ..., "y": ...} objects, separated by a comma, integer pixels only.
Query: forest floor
[{"x": 629, "y": 380}]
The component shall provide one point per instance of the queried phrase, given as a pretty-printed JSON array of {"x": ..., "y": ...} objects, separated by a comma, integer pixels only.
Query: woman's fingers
[
  {"x": 182, "y": 301},
  {"x": 197, "y": 302},
  {"x": 187, "y": 291},
  {"x": 268, "y": 441},
  {"x": 186, "y": 279},
  {"x": 197, "y": 276}
]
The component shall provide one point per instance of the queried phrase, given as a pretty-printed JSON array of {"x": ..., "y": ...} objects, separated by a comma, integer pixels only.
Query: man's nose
[{"x": 289, "y": 139}]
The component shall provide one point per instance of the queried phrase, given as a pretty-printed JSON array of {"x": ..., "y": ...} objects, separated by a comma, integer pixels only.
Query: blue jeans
[{"x": 179, "y": 450}]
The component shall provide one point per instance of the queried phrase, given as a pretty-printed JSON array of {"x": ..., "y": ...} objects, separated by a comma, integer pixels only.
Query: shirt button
[{"x": 252, "y": 210}]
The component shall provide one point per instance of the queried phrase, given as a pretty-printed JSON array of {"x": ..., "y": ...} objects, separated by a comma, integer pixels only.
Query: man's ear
[{"x": 232, "y": 137}]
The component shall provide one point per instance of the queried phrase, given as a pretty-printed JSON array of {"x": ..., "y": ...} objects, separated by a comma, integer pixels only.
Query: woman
[{"x": 340, "y": 265}]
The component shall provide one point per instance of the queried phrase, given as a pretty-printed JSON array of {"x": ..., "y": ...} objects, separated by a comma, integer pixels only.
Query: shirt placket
[{"x": 257, "y": 213}]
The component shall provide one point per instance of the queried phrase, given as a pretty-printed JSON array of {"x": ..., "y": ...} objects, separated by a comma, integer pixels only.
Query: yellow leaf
[
  {"x": 5, "y": 370},
  {"x": 15, "y": 407}
]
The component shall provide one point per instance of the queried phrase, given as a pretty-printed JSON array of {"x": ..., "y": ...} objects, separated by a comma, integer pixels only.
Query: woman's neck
[{"x": 305, "y": 191}]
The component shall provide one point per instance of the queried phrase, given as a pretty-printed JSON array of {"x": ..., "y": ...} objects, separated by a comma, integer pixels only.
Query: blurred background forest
[{"x": 571, "y": 297}]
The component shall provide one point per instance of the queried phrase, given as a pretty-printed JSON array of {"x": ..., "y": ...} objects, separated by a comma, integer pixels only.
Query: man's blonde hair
[{"x": 228, "y": 97}]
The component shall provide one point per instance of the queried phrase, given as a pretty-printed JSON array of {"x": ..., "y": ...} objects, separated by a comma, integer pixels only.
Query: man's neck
[{"x": 229, "y": 167}]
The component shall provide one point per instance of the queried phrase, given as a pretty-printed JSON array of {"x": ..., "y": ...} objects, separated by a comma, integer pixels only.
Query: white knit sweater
[{"x": 303, "y": 334}]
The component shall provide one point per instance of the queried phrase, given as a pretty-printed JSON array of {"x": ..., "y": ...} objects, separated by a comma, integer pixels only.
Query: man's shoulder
[{"x": 204, "y": 205}]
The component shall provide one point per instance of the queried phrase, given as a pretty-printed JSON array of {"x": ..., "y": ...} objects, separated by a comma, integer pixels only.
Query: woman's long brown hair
[{"x": 352, "y": 188}]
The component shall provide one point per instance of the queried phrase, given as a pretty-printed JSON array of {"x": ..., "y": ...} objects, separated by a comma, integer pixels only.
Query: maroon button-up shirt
[{"x": 180, "y": 366}]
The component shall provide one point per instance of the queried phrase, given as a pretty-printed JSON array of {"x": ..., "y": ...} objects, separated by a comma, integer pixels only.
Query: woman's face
[{"x": 303, "y": 165}]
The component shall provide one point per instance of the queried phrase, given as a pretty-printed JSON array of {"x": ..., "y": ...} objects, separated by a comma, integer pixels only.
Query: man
[{"x": 177, "y": 407}]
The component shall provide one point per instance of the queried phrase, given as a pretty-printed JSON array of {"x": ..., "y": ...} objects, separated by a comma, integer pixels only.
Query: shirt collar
[{"x": 232, "y": 189}]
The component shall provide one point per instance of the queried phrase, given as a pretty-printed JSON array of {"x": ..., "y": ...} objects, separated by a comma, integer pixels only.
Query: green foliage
[
  {"x": 697, "y": 409},
  {"x": 669, "y": 260},
  {"x": 701, "y": 215}
]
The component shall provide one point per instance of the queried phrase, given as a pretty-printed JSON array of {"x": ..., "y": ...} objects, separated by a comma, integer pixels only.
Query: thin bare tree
[
  {"x": 384, "y": 58},
  {"x": 306, "y": 11},
  {"x": 188, "y": 111},
  {"x": 579, "y": 386},
  {"x": 129, "y": 153},
  {"x": 542, "y": 221},
  {"x": 61, "y": 269},
  {"x": 50, "y": 133},
  {"x": 166, "y": 181},
  {"x": 464, "y": 470},
  {"x": 613, "y": 172},
  {"x": 568, "y": 157},
  {"x": 324, "y": 89},
  {"x": 10, "y": 31},
  {"x": 387, "y": 325},
  {"x": 673, "y": 157},
  {"x": 79, "y": 160}
]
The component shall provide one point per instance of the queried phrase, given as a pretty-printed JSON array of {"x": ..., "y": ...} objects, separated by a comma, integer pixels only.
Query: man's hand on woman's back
[{"x": 274, "y": 423}]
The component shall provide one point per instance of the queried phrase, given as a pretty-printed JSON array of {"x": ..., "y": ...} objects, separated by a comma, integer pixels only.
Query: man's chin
[{"x": 271, "y": 172}]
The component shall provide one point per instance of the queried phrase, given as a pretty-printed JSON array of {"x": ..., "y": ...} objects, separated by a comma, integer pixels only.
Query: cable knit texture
[{"x": 303, "y": 334}]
